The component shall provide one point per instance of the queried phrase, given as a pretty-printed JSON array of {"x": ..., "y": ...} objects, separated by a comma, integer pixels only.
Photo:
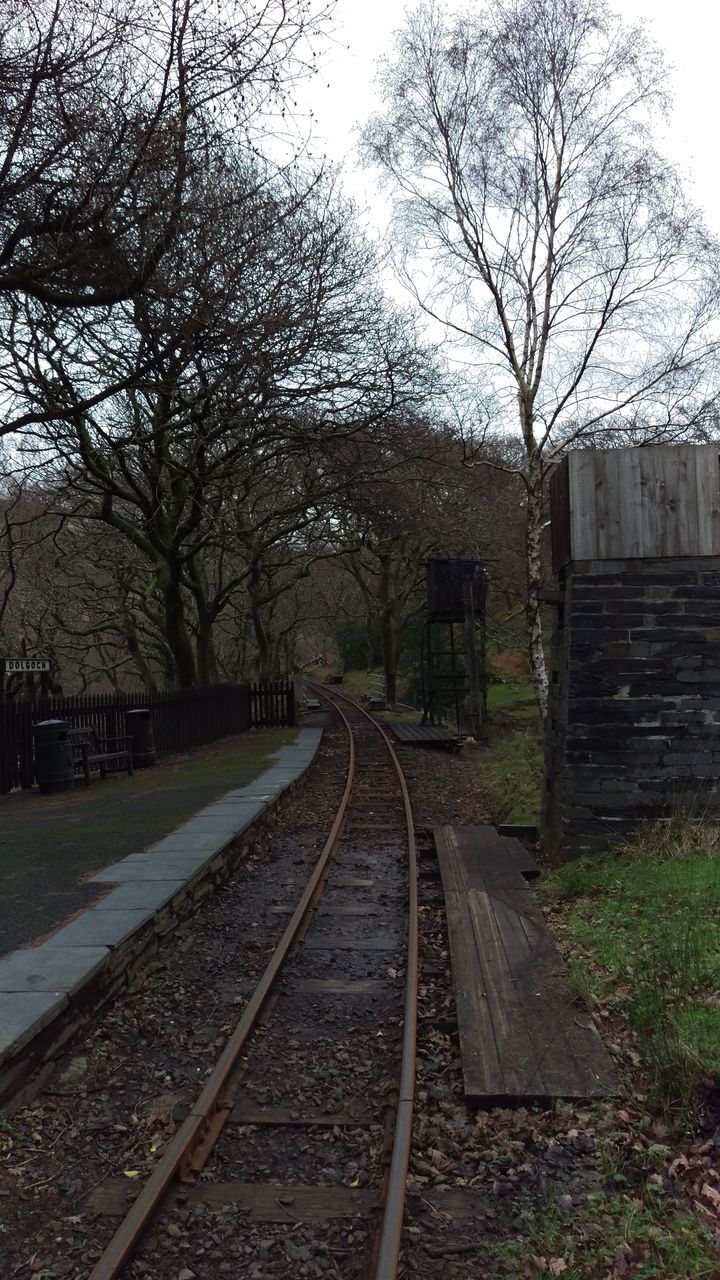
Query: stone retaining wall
[{"x": 633, "y": 729}]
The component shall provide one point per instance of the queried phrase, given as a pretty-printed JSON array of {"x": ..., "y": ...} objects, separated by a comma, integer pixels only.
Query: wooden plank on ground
[
  {"x": 522, "y": 1037},
  {"x": 248, "y": 1113},
  {"x": 343, "y": 987},
  {"x": 341, "y": 942},
  {"x": 415, "y": 733},
  {"x": 523, "y": 860},
  {"x": 264, "y": 1202},
  {"x": 478, "y": 1039},
  {"x": 477, "y": 858}
]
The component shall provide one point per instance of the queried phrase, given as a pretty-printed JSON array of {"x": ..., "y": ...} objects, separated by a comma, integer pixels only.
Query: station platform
[
  {"x": 50, "y": 844},
  {"x": 135, "y": 901}
]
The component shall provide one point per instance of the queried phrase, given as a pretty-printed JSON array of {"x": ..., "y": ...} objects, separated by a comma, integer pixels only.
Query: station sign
[{"x": 13, "y": 665}]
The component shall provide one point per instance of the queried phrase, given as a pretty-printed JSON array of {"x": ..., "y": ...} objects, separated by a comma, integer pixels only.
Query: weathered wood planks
[
  {"x": 521, "y": 858},
  {"x": 521, "y": 1036},
  {"x": 422, "y": 733},
  {"x": 643, "y": 503}
]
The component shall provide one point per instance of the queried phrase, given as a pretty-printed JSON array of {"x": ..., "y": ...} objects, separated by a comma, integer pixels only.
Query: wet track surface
[{"x": 324, "y": 1059}]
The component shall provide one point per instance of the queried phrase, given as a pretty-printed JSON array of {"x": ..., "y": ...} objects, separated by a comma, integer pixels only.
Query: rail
[
  {"x": 202, "y": 1127},
  {"x": 189, "y": 1150},
  {"x": 394, "y": 1211}
]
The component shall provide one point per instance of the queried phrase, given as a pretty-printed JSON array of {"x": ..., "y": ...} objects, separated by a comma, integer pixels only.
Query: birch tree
[{"x": 539, "y": 223}]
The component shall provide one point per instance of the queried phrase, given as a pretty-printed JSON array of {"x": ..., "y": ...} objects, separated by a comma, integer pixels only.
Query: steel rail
[
  {"x": 211, "y": 1103},
  {"x": 388, "y": 1254}
]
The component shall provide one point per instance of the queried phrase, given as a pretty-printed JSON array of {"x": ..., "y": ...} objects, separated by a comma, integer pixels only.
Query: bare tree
[
  {"x": 540, "y": 225},
  {"x": 110, "y": 111},
  {"x": 413, "y": 500},
  {"x": 106, "y": 110},
  {"x": 270, "y": 348}
]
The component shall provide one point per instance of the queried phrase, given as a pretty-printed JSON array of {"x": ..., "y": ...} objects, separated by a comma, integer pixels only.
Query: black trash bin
[
  {"x": 54, "y": 760},
  {"x": 139, "y": 727}
]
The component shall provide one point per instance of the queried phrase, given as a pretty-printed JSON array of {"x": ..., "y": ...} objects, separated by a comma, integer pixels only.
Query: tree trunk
[
  {"x": 177, "y": 638},
  {"x": 533, "y": 546},
  {"x": 396, "y": 630},
  {"x": 134, "y": 648},
  {"x": 370, "y": 639},
  {"x": 386, "y": 622},
  {"x": 262, "y": 641},
  {"x": 206, "y": 661},
  {"x": 389, "y": 663}
]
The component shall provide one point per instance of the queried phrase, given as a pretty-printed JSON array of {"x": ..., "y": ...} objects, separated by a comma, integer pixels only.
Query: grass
[
  {"x": 607, "y": 1229},
  {"x": 512, "y": 701},
  {"x": 645, "y": 919},
  {"x": 369, "y": 684},
  {"x": 364, "y": 682},
  {"x": 510, "y": 775},
  {"x": 511, "y": 765}
]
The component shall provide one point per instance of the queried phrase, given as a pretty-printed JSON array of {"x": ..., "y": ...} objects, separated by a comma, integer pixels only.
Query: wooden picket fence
[
  {"x": 272, "y": 704},
  {"x": 182, "y": 719}
]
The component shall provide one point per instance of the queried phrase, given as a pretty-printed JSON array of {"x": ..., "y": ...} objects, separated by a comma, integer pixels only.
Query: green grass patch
[
  {"x": 369, "y": 683},
  {"x": 606, "y": 1230},
  {"x": 646, "y": 920},
  {"x": 513, "y": 702},
  {"x": 511, "y": 765},
  {"x": 511, "y": 775}
]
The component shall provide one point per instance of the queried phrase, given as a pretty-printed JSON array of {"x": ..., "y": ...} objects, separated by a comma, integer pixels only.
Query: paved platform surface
[
  {"x": 50, "y": 843},
  {"x": 37, "y": 982}
]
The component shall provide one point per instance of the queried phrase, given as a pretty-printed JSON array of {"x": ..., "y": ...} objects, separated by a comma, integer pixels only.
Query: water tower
[{"x": 453, "y": 663}]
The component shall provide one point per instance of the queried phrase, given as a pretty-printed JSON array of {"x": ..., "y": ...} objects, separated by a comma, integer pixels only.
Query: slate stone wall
[{"x": 633, "y": 729}]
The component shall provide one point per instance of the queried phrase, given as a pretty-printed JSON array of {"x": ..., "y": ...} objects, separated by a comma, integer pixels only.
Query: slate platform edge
[{"x": 51, "y": 990}]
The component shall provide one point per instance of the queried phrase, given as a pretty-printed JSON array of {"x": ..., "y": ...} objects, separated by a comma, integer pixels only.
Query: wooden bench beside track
[
  {"x": 92, "y": 751},
  {"x": 521, "y": 1036}
]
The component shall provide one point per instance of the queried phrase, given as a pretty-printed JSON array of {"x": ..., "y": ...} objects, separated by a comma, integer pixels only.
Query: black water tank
[
  {"x": 139, "y": 727},
  {"x": 54, "y": 760},
  {"x": 446, "y": 581}
]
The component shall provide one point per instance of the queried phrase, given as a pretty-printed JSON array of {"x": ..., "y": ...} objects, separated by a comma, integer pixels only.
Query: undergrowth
[
  {"x": 617, "y": 1234},
  {"x": 645, "y": 918},
  {"x": 511, "y": 769}
]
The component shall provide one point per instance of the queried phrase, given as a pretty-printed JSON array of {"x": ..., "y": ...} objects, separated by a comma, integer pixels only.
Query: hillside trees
[
  {"x": 270, "y": 348},
  {"x": 420, "y": 502},
  {"x": 543, "y": 229}
]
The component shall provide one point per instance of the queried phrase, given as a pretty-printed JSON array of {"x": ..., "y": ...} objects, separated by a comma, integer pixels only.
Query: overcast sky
[{"x": 689, "y": 32}]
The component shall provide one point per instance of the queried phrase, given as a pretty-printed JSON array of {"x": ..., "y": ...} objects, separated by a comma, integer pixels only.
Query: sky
[{"x": 341, "y": 96}]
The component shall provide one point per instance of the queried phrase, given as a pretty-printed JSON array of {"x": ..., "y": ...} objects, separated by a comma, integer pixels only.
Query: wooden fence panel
[{"x": 273, "y": 704}]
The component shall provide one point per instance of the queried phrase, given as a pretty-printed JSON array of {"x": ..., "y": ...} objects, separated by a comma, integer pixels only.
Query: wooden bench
[{"x": 89, "y": 750}]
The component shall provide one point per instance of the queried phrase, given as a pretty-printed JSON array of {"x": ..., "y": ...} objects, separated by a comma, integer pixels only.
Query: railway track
[{"x": 332, "y": 1020}]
